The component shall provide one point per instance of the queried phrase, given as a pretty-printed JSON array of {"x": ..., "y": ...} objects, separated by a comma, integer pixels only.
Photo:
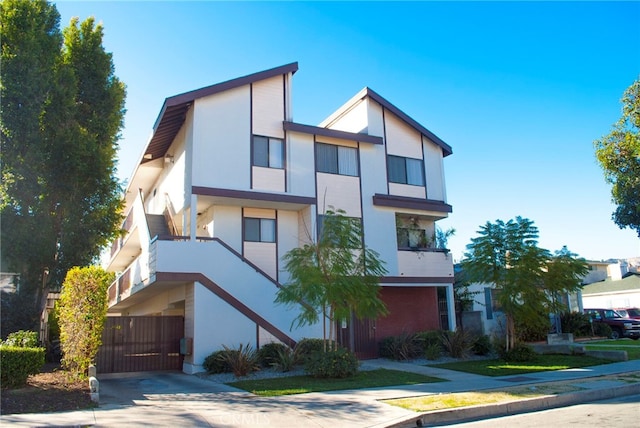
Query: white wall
[
  {"x": 216, "y": 324},
  {"x": 267, "y": 103},
  {"x": 434, "y": 171},
  {"x": 222, "y": 140},
  {"x": 227, "y": 225},
  {"x": 622, "y": 299}
]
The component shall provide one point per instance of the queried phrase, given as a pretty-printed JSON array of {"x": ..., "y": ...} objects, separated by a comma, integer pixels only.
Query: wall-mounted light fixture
[{"x": 168, "y": 158}]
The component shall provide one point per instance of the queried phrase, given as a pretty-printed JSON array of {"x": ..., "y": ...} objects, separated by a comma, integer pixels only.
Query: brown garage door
[{"x": 131, "y": 344}]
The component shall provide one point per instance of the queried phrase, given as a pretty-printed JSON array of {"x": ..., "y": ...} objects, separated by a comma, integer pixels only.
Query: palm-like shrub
[
  {"x": 241, "y": 361},
  {"x": 457, "y": 344}
]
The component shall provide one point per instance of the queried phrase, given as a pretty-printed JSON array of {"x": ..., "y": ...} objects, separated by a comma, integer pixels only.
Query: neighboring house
[
  {"x": 228, "y": 183},
  {"x": 611, "y": 293}
]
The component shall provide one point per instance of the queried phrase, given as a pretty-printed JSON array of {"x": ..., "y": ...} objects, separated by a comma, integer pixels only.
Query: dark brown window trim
[
  {"x": 332, "y": 133},
  {"x": 258, "y": 196},
  {"x": 412, "y": 203}
]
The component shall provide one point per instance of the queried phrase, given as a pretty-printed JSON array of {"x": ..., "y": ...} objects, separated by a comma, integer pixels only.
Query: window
[
  {"x": 337, "y": 159},
  {"x": 405, "y": 170},
  {"x": 259, "y": 229},
  {"x": 268, "y": 152},
  {"x": 411, "y": 238}
]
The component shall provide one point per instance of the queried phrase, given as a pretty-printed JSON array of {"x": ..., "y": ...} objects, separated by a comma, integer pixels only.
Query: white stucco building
[{"x": 229, "y": 182}]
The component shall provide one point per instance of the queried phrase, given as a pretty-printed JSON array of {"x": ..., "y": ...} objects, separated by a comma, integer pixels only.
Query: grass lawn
[
  {"x": 540, "y": 363},
  {"x": 303, "y": 384},
  {"x": 631, "y": 346}
]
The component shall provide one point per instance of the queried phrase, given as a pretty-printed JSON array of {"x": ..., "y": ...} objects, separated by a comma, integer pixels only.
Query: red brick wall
[{"x": 411, "y": 309}]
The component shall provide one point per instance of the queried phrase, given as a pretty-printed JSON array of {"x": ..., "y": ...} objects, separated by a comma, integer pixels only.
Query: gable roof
[
  {"x": 629, "y": 283},
  {"x": 370, "y": 93},
  {"x": 174, "y": 109}
]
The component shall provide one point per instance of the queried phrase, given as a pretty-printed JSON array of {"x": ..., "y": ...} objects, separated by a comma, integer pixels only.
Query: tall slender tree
[
  {"x": 619, "y": 156},
  {"x": 62, "y": 111}
]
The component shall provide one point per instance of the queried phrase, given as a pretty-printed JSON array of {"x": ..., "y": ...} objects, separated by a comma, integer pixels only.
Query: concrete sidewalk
[{"x": 175, "y": 399}]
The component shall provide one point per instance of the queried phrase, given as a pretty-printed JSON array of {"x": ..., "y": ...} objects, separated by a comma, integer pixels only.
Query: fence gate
[{"x": 131, "y": 344}]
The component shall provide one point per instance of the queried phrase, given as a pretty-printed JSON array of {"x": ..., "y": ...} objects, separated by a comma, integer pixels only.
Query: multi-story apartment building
[{"x": 229, "y": 182}]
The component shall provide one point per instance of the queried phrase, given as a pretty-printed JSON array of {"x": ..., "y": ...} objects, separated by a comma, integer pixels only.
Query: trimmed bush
[
  {"x": 575, "y": 323},
  {"x": 482, "y": 345},
  {"x": 17, "y": 363},
  {"x": 307, "y": 347},
  {"x": 518, "y": 354},
  {"x": 338, "y": 363},
  {"x": 427, "y": 339},
  {"x": 22, "y": 339},
  {"x": 215, "y": 363},
  {"x": 268, "y": 354},
  {"x": 533, "y": 329},
  {"x": 601, "y": 329}
]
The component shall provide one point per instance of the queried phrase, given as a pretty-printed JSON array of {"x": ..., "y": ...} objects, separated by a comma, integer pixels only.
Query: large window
[
  {"x": 268, "y": 152},
  {"x": 259, "y": 229},
  {"x": 337, "y": 159},
  {"x": 405, "y": 170}
]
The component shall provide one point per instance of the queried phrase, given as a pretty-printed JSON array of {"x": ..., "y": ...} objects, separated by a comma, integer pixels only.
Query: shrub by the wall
[
  {"x": 268, "y": 354},
  {"x": 575, "y": 323},
  {"x": 215, "y": 363},
  {"x": 519, "y": 353},
  {"x": 402, "y": 347},
  {"x": 242, "y": 360},
  {"x": 338, "y": 363},
  {"x": 306, "y": 347},
  {"x": 82, "y": 314},
  {"x": 482, "y": 345},
  {"x": 17, "y": 363},
  {"x": 458, "y": 344}
]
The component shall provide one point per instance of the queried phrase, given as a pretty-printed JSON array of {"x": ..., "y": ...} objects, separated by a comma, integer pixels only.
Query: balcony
[{"x": 429, "y": 263}]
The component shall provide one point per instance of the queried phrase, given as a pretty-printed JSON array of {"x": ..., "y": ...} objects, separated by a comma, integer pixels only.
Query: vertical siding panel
[{"x": 268, "y": 107}]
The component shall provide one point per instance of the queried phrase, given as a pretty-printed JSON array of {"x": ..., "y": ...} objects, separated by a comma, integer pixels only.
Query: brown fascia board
[
  {"x": 258, "y": 196},
  {"x": 411, "y": 203},
  {"x": 190, "y": 96},
  {"x": 333, "y": 133},
  {"x": 174, "y": 109},
  {"x": 368, "y": 92}
]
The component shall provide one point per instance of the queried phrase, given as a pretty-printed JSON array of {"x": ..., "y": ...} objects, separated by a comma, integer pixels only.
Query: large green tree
[
  {"x": 527, "y": 278},
  {"x": 61, "y": 114},
  {"x": 335, "y": 276},
  {"x": 619, "y": 156}
]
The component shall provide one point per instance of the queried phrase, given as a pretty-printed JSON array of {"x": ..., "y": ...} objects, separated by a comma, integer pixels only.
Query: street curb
[{"x": 466, "y": 414}]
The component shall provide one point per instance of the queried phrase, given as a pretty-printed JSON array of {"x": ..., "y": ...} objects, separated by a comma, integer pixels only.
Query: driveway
[{"x": 176, "y": 399}]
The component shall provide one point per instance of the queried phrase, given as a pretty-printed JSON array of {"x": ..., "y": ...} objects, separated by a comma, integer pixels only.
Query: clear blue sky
[{"x": 519, "y": 90}]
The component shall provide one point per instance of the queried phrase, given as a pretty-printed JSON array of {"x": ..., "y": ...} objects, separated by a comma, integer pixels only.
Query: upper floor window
[
  {"x": 259, "y": 229},
  {"x": 268, "y": 152},
  {"x": 405, "y": 170},
  {"x": 334, "y": 159}
]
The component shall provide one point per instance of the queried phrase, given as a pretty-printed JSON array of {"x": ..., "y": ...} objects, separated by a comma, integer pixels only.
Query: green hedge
[{"x": 16, "y": 364}]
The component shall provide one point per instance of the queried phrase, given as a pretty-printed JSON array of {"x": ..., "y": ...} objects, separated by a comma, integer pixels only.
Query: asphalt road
[{"x": 615, "y": 412}]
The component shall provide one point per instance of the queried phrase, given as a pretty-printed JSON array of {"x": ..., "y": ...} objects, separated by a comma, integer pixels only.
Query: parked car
[
  {"x": 620, "y": 326},
  {"x": 629, "y": 313}
]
